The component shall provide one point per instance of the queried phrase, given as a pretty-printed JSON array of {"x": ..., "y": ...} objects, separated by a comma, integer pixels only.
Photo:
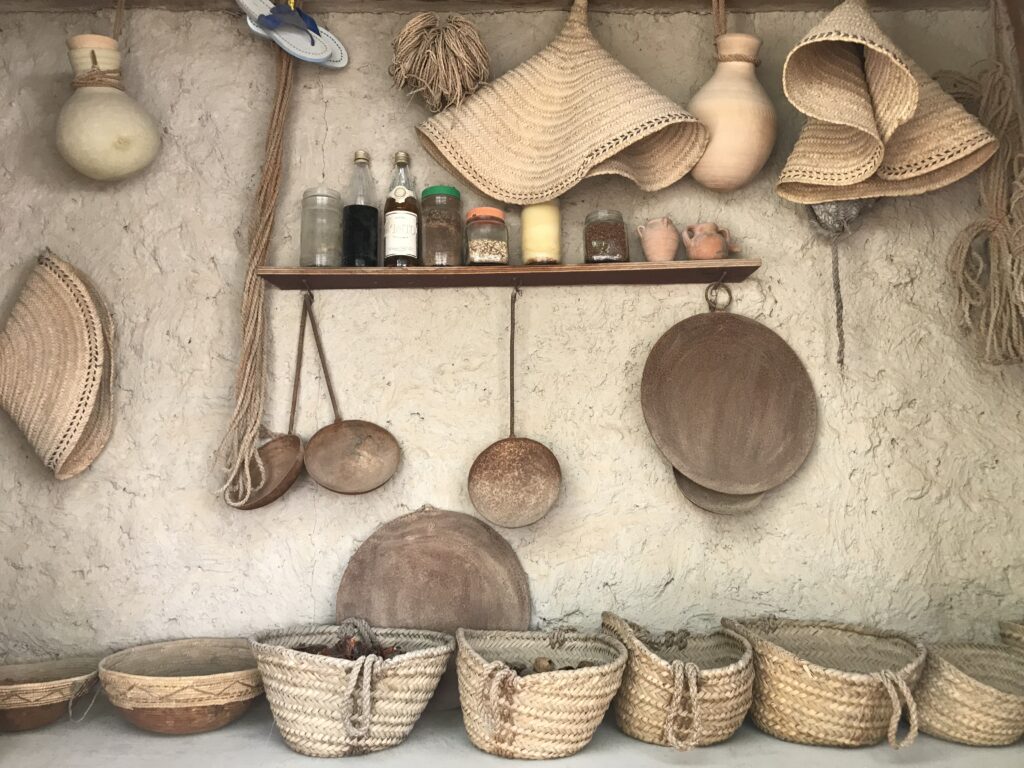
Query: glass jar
[
  {"x": 604, "y": 237},
  {"x": 486, "y": 237},
  {"x": 320, "y": 235},
  {"x": 542, "y": 233},
  {"x": 441, "y": 225}
]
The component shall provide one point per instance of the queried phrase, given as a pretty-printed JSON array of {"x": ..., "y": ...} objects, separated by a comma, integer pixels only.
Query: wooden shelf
[{"x": 631, "y": 273}]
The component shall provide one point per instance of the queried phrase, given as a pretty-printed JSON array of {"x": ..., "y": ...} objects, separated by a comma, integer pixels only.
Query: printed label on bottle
[{"x": 400, "y": 233}]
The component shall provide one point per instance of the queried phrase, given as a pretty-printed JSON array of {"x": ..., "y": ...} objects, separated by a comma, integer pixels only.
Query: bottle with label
[
  {"x": 359, "y": 219},
  {"x": 401, "y": 218}
]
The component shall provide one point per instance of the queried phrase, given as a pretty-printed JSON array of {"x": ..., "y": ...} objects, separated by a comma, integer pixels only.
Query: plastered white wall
[{"x": 908, "y": 512}]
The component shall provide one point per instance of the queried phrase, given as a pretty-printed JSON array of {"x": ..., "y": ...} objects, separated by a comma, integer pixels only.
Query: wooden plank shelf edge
[{"x": 630, "y": 273}]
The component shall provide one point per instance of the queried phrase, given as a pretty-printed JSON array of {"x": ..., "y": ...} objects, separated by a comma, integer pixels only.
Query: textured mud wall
[{"x": 908, "y": 513}]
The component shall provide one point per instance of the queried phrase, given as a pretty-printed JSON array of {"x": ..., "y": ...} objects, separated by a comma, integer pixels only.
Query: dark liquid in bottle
[{"x": 359, "y": 236}]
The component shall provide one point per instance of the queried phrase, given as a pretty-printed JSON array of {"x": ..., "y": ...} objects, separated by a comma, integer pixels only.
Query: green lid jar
[{"x": 441, "y": 225}]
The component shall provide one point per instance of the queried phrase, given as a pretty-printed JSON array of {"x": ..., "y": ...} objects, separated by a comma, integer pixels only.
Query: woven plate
[{"x": 729, "y": 403}]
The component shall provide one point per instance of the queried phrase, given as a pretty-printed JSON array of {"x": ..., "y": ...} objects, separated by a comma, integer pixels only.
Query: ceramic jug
[
  {"x": 659, "y": 239},
  {"x": 737, "y": 113},
  {"x": 101, "y": 131},
  {"x": 708, "y": 241}
]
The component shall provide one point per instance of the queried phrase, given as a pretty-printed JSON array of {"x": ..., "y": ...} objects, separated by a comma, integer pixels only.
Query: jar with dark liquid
[
  {"x": 401, "y": 218},
  {"x": 359, "y": 218}
]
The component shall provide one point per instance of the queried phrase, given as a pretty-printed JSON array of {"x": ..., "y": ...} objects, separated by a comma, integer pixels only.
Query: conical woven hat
[
  {"x": 569, "y": 112},
  {"x": 877, "y": 125},
  {"x": 55, "y": 367}
]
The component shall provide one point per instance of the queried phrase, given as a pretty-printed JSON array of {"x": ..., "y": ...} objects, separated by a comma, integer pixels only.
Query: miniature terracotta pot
[
  {"x": 659, "y": 239},
  {"x": 708, "y": 241},
  {"x": 739, "y": 116}
]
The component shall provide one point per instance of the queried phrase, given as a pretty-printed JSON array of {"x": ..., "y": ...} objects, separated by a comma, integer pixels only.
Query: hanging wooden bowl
[
  {"x": 729, "y": 403},
  {"x": 282, "y": 465},
  {"x": 713, "y": 501},
  {"x": 352, "y": 456}
]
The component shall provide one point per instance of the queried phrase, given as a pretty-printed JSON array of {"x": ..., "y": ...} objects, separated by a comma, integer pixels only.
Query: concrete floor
[{"x": 103, "y": 740}]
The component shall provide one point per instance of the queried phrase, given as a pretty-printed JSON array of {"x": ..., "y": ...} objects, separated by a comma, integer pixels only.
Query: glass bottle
[
  {"x": 401, "y": 217},
  {"x": 320, "y": 235},
  {"x": 359, "y": 219}
]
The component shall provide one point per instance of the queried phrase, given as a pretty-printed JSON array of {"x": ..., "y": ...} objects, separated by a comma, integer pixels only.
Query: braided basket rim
[
  {"x": 263, "y": 642},
  {"x": 939, "y": 652},
  {"x": 907, "y": 671},
  {"x": 105, "y": 670},
  {"x": 11, "y": 694}
]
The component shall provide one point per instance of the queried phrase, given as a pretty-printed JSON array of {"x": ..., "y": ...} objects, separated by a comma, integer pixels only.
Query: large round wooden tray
[{"x": 729, "y": 403}]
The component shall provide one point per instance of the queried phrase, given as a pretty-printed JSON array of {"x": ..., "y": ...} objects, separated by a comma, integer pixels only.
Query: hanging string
[
  {"x": 241, "y": 461},
  {"x": 118, "y": 20},
  {"x": 512, "y": 366},
  {"x": 721, "y": 27}
]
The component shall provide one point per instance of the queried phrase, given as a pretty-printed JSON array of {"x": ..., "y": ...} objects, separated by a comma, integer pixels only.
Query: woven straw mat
[
  {"x": 327, "y": 707},
  {"x": 877, "y": 124},
  {"x": 973, "y": 694},
  {"x": 196, "y": 672},
  {"x": 540, "y": 716},
  {"x": 569, "y": 112},
  {"x": 1012, "y": 633},
  {"x": 37, "y": 683},
  {"x": 831, "y": 684},
  {"x": 682, "y": 690},
  {"x": 56, "y": 367}
]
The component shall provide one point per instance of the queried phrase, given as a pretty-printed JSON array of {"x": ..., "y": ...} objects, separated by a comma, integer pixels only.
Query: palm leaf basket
[
  {"x": 682, "y": 690},
  {"x": 541, "y": 716},
  {"x": 972, "y": 694},
  {"x": 1012, "y": 633},
  {"x": 831, "y": 684},
  {"x": 329, "y": 707}
]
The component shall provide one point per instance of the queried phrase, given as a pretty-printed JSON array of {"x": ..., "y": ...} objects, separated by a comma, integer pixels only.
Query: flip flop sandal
[
  {"x": 297, "y": 34},
  {"x": 339, "y": 55}
]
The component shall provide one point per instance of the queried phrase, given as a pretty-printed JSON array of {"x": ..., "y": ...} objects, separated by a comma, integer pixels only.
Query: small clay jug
[
  {"x": 737, "y": 113},
  {"x": 708, "y": 241},
  {"x": 659, "y": 239}
]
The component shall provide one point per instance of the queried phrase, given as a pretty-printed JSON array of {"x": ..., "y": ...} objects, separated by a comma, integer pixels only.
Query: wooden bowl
[
  {"x": 182, "y": 686},
  {"x": 37, "y": 693}
]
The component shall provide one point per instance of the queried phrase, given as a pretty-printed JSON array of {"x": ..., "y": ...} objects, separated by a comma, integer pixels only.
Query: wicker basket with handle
[
  {"x": 682, "y": 690},
  {"x": 329, "y": 707},
  {"x": 831, "y": 684},
  {"x": 973, "y": 694},
  {"x": 541, "y": 716}
]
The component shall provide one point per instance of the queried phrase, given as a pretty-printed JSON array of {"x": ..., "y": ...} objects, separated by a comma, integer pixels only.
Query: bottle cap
[
  {"x": 485, "y": 212},
  {"x": 441, "y": 189},
  {"x": 322, "y": 191},
  {"x": 362, "y": 156},
  {"x": 401, "y": 158}
]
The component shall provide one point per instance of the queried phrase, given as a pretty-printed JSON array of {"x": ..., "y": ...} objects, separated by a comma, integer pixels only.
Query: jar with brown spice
[
  {"x": 604, "y": 237},
  {"x": 441, "y": 225},
  {"x": 486, "y": 237}
]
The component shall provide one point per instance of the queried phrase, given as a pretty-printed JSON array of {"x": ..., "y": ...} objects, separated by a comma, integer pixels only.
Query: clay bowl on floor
[
  {"x": 37, "y": 693},
  {"x": 182, "y": 686}
]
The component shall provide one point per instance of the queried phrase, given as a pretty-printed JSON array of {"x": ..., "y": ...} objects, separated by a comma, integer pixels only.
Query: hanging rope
[
  {"x": 721, "y": 27},
  {"x": 512, "y": 365},
  {"x": 103, "y": 78},
  {"x": 118, "y": 20},
  {"x": 241, "y": 461}
]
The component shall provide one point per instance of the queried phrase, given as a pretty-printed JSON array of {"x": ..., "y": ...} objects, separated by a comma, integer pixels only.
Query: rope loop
[
  {"x": 355, "y": 719},
  {"x": 683, "y": 725},
  {"x": 711, "y": 295},
  {"x": 496, "y": 694},
  {"x": 82, "y": 690},
  {"x": 896, "y": 686}
]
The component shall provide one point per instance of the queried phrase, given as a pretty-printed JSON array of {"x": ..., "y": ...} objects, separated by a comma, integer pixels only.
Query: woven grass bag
[
  {"x": 36, "y": 693},
  {"x": 682, "y": 691},
  {"x": 1012, "y": 633},
  {"x": 541, "y": 716},
  {"x": 831, "y": 684},
  {"x": 877, "y": 124},
  {"x": 972, "y": 694},
  {"x": 570, "y": 112},
  {"x": 327, "y": 707}
]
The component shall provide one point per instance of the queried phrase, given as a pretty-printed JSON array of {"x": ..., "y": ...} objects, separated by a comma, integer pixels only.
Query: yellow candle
[{"x": 542, "y": 233}]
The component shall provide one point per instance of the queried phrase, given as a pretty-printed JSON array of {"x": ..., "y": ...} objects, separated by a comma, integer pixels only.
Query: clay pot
[
  {"x": 659, "y": 238},
  {"x": 739, "y": 116},
  {"x": 101, "y": 131},
  {"x": 708, "y": 241}
]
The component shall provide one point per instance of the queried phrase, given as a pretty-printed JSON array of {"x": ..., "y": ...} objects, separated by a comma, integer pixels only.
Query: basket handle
[
  {"x": 362, "y": 628},
  {"x": 499, "y": 684},
  {"x": 683, "y": 725},
  {"x": 896, "y": 686},
  {"x": 359, "y": 683}
]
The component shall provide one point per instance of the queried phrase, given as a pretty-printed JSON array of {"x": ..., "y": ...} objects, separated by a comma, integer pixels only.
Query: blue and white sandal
[
  {"x": 291, "y": 29},
  {"x": 339, "y": 55}
]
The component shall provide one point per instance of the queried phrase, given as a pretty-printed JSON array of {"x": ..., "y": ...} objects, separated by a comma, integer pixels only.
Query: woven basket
[
  {"x": 684, "y": 691},
  {"x": 831, "y": 684},
  {"x": 1012, "y": 633},
  {"x": 973, "y": 694},
  {"x": 327, "y": 707},
  {"x": 542, "y": 716},
  {"x": 182, "y": 686},
  {"x": 37, "y": 693}
]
